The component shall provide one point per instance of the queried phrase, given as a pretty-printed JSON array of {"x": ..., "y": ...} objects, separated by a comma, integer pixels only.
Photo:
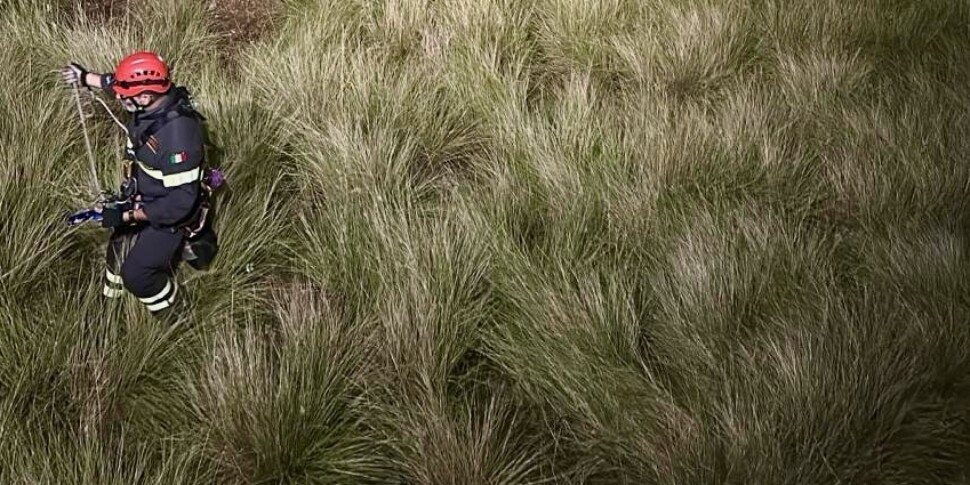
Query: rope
[
  {"x": 110, "y": 113},
  {"x": 87, "y": 142}
]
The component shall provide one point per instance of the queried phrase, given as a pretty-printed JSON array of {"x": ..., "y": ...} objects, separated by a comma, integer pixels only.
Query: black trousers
[{"x": 143, "y": 259}]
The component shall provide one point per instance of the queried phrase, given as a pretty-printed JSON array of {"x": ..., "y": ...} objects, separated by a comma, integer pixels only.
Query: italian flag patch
[{"x": 178, "y": 157}]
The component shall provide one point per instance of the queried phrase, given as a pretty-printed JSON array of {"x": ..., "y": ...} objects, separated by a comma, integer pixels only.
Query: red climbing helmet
[{"x": 141, "y": 72}]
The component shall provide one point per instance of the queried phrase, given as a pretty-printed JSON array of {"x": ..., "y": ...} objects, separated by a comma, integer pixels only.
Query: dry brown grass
[
  {"x": 106, "y": 10},
  {"x": 240, "y": 22},
  {"x": 236, "y": 23}
]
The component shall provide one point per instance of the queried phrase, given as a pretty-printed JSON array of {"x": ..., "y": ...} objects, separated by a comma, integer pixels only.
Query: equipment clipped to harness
[
  {"x": 93, "y": 214},
  {"x": 201, "y": 241}
]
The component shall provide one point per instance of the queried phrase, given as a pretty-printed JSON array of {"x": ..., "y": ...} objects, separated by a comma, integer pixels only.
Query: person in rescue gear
[{"x": 165, "y": 151}]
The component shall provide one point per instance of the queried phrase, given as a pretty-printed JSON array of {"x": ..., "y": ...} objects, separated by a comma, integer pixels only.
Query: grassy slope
[{"x": 495, "y": 241}]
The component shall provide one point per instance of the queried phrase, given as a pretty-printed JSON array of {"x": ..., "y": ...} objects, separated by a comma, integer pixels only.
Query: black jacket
[{"x": 167, "y": 164}]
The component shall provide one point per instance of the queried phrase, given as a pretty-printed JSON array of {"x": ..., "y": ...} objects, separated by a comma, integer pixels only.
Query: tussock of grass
[
  {"x": 252, "y": 398},
  {"x": 552, "y": 241}
]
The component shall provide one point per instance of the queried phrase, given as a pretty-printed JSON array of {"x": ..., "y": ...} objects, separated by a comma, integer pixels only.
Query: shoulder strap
[
  {"x": 153, "y": 128},
  {"x": 181, "y": 107}
]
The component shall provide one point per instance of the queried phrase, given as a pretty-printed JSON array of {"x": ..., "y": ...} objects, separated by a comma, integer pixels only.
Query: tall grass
[{"x": 544, "y": 241}]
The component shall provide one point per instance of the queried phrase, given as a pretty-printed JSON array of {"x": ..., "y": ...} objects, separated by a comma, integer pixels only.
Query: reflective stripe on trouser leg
[
  {"x": 119, "y": 244},
  {"x": 114, "y": 286},
  {"x": 162, "y": 299}
]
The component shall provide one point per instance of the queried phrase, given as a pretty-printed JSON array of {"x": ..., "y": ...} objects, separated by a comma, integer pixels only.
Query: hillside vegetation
[{"x": 507, "y": 242}]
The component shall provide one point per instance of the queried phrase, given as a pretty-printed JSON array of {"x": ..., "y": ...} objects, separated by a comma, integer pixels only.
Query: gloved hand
[
  {"x": 113, "y": 216},
  {"x": 74, "y": 73}
]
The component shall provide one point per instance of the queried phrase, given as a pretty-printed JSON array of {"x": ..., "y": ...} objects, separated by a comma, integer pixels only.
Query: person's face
[{"x": 137, "y": 103}]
